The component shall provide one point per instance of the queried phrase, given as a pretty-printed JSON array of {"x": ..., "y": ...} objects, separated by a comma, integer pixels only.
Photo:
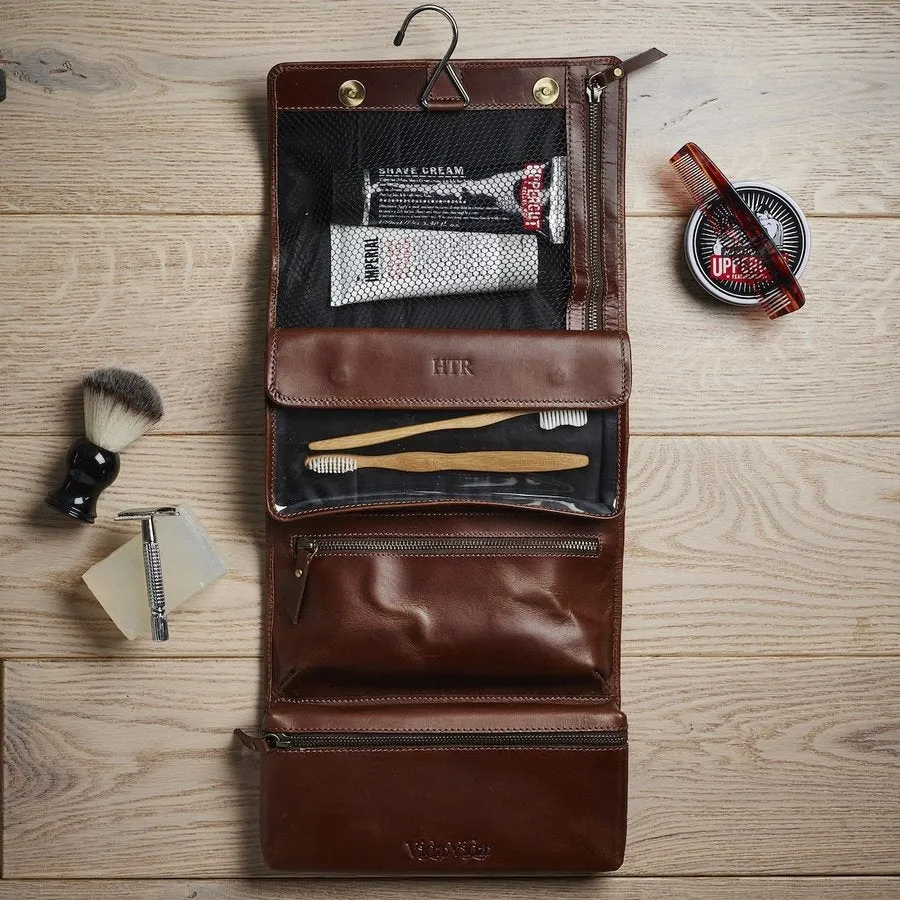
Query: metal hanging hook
[{"x": 444, "y": 64}]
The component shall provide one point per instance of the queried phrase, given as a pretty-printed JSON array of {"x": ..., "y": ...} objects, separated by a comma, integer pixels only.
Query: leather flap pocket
[{"x": 377, "y": 368}]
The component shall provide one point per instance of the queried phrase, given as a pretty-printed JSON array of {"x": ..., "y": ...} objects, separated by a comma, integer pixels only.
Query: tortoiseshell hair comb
[{"x": 761, "y": 262}]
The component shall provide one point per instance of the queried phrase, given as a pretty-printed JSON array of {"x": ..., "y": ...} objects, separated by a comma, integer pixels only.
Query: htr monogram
[{"x": 451, "y": 367}]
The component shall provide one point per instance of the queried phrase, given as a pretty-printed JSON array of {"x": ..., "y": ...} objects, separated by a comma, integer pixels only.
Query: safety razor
[{"x": 156, "y": 595}]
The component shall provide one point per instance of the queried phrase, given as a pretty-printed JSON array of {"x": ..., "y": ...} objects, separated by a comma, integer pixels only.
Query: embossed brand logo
[
  {"x": 437, "y": 851},
  {"x": 451, "y": 367}
]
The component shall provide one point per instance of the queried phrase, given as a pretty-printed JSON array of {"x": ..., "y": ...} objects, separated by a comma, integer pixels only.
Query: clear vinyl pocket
[{"x": 395, "y": 609}]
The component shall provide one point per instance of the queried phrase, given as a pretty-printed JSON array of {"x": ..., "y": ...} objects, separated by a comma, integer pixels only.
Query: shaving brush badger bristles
[{"x": 119, "y": 406}]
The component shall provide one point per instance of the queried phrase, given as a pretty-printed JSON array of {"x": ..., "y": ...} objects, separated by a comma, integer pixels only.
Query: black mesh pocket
[{"x": 410, "y": 219}]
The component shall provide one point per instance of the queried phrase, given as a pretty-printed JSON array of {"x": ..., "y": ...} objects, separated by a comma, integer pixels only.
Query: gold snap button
[
  {"x": 352, "y": 93},
  {"x": 618, "y": 72},
  {"x": 545, "y": 91}
]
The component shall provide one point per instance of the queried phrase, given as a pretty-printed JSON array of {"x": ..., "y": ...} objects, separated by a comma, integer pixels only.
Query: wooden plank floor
[{"x": 761, "y": 652}]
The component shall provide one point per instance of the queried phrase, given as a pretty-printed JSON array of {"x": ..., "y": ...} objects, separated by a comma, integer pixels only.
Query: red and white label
[
  {"x": 530, "y": 196},
  {"x": 737, "y": 269}
]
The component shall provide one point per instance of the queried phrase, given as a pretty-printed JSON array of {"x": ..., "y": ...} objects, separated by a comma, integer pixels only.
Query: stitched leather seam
[
  {"x": 466, "y": 730},
  {"x": 578, "y": 402},
  {"x": 461, "y": 64},
  {"x": 451, "y": 749},
  {"x": 617, "y": 615},
  {"x": 542, "y": 554},
  {"x": 412, "y": 107},
  {"x": 418, "y": 515},
  {"x": 441, "y": 698},
  {"x": 441, "y": 537}
]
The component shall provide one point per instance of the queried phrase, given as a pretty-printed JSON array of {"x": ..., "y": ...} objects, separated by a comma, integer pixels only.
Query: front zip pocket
[
  {"x": 386, "y": 740},
  {"x": 399, "y": 614},
  {"x": 444, "y": 798},
  {"x": 306, "y": 548}
]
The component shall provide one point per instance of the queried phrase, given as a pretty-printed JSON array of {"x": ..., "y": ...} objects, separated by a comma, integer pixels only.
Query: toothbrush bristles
[
  {"x": 331, "y": 464},
  {"x": 553, "y": 418}
]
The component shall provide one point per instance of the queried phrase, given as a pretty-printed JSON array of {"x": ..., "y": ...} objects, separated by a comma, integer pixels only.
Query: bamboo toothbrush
[
  {"x": 547, "y": 419},
  {"x": 477, "y": 461}
]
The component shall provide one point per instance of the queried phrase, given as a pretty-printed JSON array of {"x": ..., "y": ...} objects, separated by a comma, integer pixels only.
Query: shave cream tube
[
  {"x": 370, "y": 263},
  {"x": 530, "y": 200}
]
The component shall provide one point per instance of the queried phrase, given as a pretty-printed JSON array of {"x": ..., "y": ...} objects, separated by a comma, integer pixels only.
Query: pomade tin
[{"x": 720, "y": 274}]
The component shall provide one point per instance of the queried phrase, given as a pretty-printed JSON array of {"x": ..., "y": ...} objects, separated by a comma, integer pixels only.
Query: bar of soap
[{"x": 189, "y": 560}]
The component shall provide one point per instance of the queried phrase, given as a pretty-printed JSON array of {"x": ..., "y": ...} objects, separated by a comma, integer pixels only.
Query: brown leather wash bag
[{"x": 442, "y": 642}]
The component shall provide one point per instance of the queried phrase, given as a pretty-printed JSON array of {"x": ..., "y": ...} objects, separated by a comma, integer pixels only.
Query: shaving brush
[{"x": 119, "y": 406}]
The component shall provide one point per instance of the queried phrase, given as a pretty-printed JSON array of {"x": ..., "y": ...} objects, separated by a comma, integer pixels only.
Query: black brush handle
[{"x": 89, "y": 470}]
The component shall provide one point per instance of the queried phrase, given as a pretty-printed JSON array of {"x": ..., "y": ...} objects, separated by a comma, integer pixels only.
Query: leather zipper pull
[
  {"x": 303, "y": 554},
  {"x": 596, "y": 83},
  {"x": 257, "y": 744}
]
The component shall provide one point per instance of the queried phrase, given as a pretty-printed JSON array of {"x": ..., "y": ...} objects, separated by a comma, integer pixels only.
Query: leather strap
[{"x": 632, "y": 64}]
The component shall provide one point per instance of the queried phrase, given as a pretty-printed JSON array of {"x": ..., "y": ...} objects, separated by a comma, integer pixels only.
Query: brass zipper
[
  {"x": 374, "y": 740},
  {"x": 593, "y": 237},
  {"x": 596, "y": 84},
  {"x": 307, "y": 547}
]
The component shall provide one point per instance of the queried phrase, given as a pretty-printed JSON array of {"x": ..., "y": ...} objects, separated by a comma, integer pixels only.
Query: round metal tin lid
[{"x": 716, "y": 272}]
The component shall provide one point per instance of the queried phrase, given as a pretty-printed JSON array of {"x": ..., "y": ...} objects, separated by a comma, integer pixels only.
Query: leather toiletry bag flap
[{"x": 447, "y": 378}]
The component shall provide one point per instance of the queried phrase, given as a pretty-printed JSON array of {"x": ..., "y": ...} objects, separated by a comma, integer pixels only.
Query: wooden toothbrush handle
[
  {"x": 477, "y": 461},
  {"x": 366, "y": 439}
]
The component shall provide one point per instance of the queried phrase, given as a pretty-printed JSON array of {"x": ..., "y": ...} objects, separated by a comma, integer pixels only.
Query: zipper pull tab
[
  {"x": 596, "y": 83},
  {"x": 305, "y": 550},
  {"x": 257, "y": 744}
]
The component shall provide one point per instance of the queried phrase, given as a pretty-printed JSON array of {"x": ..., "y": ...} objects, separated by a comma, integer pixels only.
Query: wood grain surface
[
  {"x": 197, "y": 288},
  {"x": 734, "y": 545},
  {"x": 735, "y": 763},
  {"x": 793, "y": 93},
  {"x": 761, "y": 626},
  {"x": 634, "y": 888}
]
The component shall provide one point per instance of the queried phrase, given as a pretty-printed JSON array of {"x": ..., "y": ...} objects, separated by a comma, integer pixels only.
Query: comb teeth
[
  {"x": 695, "y": 178},
  {"x": 778, "y": 302},
  {"x": 553, "y": 418},
  {"x": 332, "y": 464}
]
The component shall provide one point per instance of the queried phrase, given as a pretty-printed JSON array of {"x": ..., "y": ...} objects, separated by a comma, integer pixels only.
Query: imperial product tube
[
  {"x": 530, "y": 200},
  {"x": 382, "y": 263}
]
